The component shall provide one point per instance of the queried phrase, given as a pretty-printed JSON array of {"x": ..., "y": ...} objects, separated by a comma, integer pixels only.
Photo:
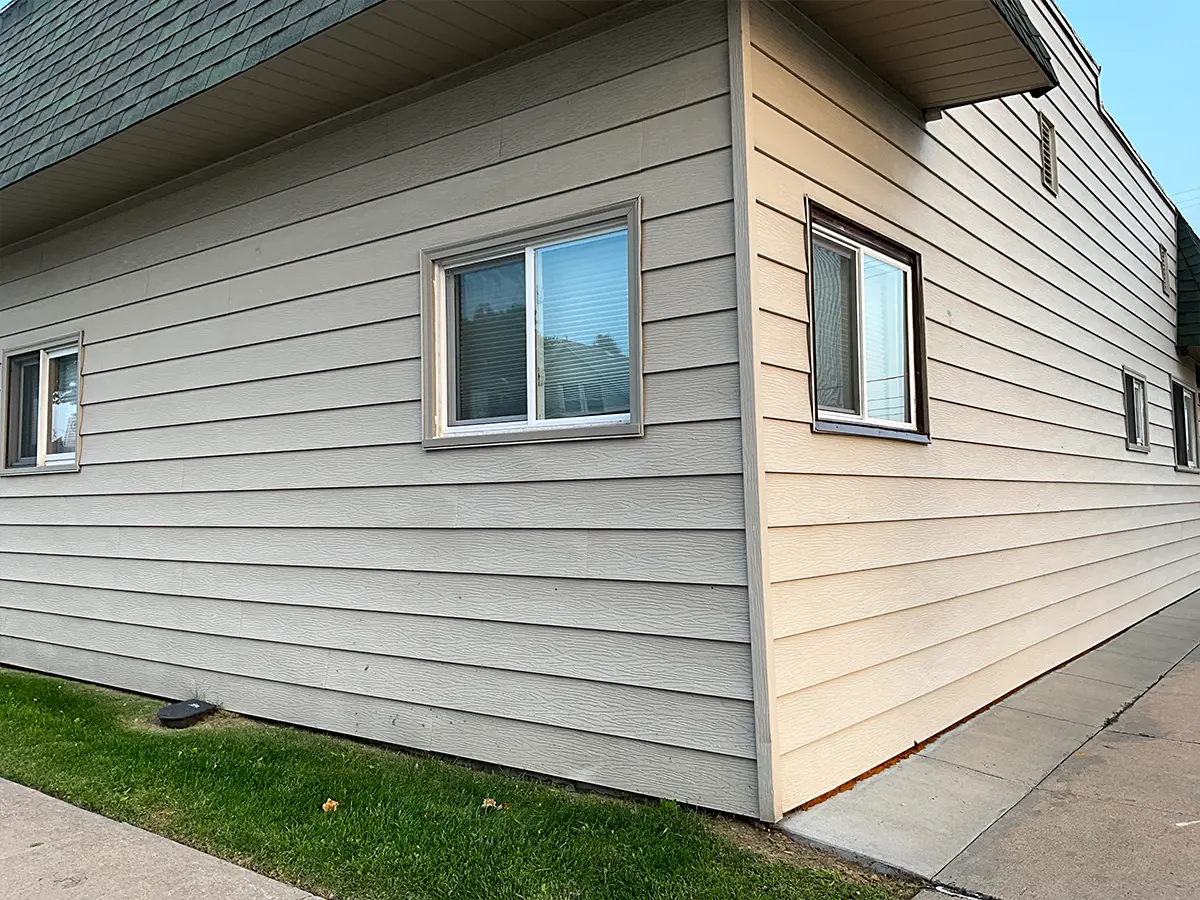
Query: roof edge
[{"x": 1018, "y": 21}]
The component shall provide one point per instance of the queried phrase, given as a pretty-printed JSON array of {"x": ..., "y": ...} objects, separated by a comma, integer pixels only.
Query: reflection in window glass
[
  {"x": 490, "y": 353},
  {"x": 885, "y": 340},
  {"x": 64, "y": 403},
  {"x": 582, "y": 314},
  {"x": 836, "y": 334}
]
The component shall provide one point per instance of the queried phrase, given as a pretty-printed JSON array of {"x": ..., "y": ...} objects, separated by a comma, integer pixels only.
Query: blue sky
[{"x": 1149, "y": 56}]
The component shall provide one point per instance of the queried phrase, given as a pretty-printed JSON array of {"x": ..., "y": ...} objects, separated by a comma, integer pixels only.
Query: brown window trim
[
  {"x": 1179, "y": 420},
  {"x": 827, "y": 218}
]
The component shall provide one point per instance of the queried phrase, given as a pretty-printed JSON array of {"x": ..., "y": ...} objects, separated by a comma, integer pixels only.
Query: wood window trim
[
  {"x": 838, "y": 224},
  {"x": 1128, "y": 376},
  {"x": 435, "y": 347},
  {"x": 8, "y": 428},
  {"x": 1179, "y": 420}
]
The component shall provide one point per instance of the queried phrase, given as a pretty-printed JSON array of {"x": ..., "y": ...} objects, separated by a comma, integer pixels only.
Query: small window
[
  {"x": 536, "y": 335},
  {"x": 1164, "y": 269},
  {"x": 1049, "y": 151},
  {"x": 1183, "y": 402},
  {"x": 41, "y": 403},
  {"x": 1136, "y": 409},
  {"x": 867, "y": 331}
]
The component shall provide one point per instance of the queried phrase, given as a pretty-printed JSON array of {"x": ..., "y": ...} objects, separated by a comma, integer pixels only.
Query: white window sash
[
  {"x": 861, "y": 418},
  {"x": 534, "y": 381},
  {"x": 44, "y": 456}
]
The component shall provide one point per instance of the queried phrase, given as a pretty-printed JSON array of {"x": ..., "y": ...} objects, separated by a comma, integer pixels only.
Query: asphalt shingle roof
[
  {"x": 73, "y": 72},
  {"x": 1018, "y": 20},
  {"x": 1187, "y": 285}
]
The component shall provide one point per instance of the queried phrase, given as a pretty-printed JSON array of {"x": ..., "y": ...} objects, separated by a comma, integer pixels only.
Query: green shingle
[{"x": 73, "y": 72}]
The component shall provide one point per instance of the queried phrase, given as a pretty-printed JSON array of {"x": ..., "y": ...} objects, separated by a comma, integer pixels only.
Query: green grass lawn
[{"x": 407, "y": 826}]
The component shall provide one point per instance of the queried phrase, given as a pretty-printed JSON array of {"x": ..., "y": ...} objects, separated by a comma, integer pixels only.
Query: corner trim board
[{"x": 753, "y": 475}]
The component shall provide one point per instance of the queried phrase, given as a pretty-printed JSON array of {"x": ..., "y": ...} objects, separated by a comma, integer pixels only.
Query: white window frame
[
  {"x": 859, "y": 250},
  {"x": 9, "y": 430},
  {"x": 1130, "y": 380},
  {"x": 438, "y": 266},
  {"x": 1191, "y": 442}
]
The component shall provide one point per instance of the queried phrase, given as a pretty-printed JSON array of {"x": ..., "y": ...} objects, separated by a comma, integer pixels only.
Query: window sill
[
  {"x": 533, "y": 436},
  {"x": 38, "y": 470},
  {"x": 824, "y": 426},
  {"x": 1136, "y": 448},
  {"x": 1191, "y": 470}
]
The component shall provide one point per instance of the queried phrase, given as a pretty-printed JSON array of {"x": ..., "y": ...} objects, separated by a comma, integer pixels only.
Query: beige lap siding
[
  {"x": 256, "y": 522},
  {"x": 910, "y": 585}
]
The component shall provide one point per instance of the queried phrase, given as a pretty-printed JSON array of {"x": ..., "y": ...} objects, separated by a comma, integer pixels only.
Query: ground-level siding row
[
  {"x": 255, "y": 519},
  {"x": 910, "y": 584}
]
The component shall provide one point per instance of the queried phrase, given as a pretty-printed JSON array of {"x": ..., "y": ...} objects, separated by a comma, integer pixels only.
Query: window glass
[
  {"x": 582, "y": 315},
  {"x": 1135, "y": 411},
  {"x": 885, "y": 340},
  {"x": 489, "y": 350},
  {"x": 26, "y": 370},
  {"x": 64, "y": 403},
  {"x": 1189, "y": 426},
  {"x": 1184, "y": 403},
  {"x": 836, "y": 336}
]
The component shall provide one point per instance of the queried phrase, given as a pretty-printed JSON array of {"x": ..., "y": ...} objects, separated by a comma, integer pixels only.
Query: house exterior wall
[
  {"x": 908, "y": 585},
  {"x": 255, "y": 521}
]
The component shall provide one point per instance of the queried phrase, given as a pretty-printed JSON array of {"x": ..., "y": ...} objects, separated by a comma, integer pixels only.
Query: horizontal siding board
[
  {"x": 703, "y": 557},
  {"x": 946, "y": 457},
  {"x": 340, "y": 388},
  {"x": 710, "y": 502},
  {"x": 811, "y": 714},
  {"x": 816, "y": 657},
  {"x": 805, "y": 500},
  {"x": 708, "y": 612},
  {"x": 705, "y": 448},
  {"x": 690, "y": 776},
  {"x": 619, "y": 710},
  {"x": 826, "y": 601},
  {"x": 800, "y": 552},
  {"x": 667, "y": 663}
]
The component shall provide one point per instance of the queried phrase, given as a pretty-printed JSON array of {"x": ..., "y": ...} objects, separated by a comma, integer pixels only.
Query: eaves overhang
[
  {"x": 940, "y": 54},
  {"x": 1187, "y": 286}
]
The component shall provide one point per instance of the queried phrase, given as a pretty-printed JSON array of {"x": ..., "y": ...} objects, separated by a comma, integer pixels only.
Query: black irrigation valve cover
[{"x": 184, "y": 713}]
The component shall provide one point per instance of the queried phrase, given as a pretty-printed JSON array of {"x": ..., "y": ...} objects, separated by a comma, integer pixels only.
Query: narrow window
[
  {"x": 1136, "y": 418},
  {"x": 1183, "y": 401},
  {"x": 867, "y": 331},
  {"x": 41, "y": 388},
  {"x": 1049, "y": 152},
  {"x": 1164, "y": 269},
  {"x": 537, "y": 336}
]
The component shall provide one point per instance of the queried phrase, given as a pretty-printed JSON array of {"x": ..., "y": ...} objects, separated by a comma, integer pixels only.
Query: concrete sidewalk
[
  {"x": 50, "y": 850},
  {"x": 1084, "y": 784}
]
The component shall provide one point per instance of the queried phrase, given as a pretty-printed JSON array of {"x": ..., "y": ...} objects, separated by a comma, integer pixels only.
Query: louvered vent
[
  {"x": 1166, "y": 271},
  {"x": 1049, "y": 154}
]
